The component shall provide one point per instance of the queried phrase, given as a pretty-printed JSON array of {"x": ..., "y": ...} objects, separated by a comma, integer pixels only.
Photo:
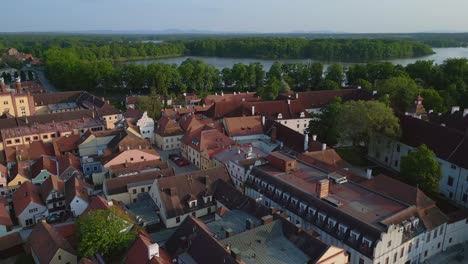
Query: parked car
[
  {"x": 173, "y": 156},
  {"x": 53, "y": 218},
  {"x": 181, "y": 162}
]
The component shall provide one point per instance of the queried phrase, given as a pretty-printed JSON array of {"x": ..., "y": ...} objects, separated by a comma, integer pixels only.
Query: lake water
[{"x": 440, "y": 55}]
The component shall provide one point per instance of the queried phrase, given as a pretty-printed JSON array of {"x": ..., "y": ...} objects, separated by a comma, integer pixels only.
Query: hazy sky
[{"x": 237, "y": 15}]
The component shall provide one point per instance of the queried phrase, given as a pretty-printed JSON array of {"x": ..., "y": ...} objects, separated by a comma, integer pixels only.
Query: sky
[{"x": 256, "y": 16}]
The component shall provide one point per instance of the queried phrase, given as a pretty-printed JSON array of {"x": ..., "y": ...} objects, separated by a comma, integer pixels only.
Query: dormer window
[
  {"x": 342, "y": 228},
  {"x": 193, "y": 203},
  {"x": 312, "y": 211},
  {"x": 285, "y": 196},
  {"x": 257, "y": 180},
  {"x": 331, "y": 222},
  {"x": 271, "y": 188},
  {"x": 302, "y": 206},
  {"x": 278, "y": 192},
  {"x": 415, "y": 222},
  {"x": 354, "y": 235},
  {"x": 366, "y": 242},
  {"x": 321, "y": 217},
  {"x": 294, "y": 201},
  {"x": 264, "y": 184},
  {"x": 208, "y": 199},
  {"x": 302, "y": 114},
  {"x": 280, "y": 116}
]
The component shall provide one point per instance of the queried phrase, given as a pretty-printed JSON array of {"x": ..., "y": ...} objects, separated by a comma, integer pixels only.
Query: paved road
[
  {"x": 450, "y": 255},
  {"x": 39, "y": 71}
]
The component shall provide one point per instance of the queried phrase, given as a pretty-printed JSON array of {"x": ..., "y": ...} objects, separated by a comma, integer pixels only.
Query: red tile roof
[
  {"x": 329, "y": 156},
  {"x": 138, "y": 252},
  {"x": 44, "y": 163},
  {"x": 5, "y": 218},
  {"x": 168, "y": 127},
  {"x": 207, "y": 139},
  {"x": 52, "y": 183},
  {"x": 67, "y": 161},
  {"x": 243, "y": 126},
  {"x": 76, "y": 187},
  {"x": 26, "y": 194},
  {"x": 176, "y": 190},
  {"x": 119, "y": 184},
  {"x": 45, "y": 241},
  {"x": 31, "y": 151},
  {"x": 97, "y": 203},
  {"x": 65, "y": 144}
]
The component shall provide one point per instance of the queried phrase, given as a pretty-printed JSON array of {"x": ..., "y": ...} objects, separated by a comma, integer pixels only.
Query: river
[{"x": 440, "y": 55}]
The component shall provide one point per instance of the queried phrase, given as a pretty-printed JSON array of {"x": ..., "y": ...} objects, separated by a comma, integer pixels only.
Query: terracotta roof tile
[
  {"x": 119, "y": 184},
  {"x": 52, "y": 183},
  {"x": 26, "y": 194},
  {"x": 76, "y": 187},
  {"x": 96, "y": 203},
  {"x": 138, "y": 252},
  {"x": 5, "y": 218},
  {"x": 242, "y": 126},
  {"x": 186, "y": 185},
  {"x": 65, "y": 144},
  {"x": 45, "y": 240},
  {"x": 168, "y": 127},
  {"x": 44, "y": 163}
]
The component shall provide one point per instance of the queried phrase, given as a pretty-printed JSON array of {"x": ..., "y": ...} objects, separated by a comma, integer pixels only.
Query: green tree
[
  {"x": 420, "y": 168},
  {"x": 316, "y": 74},
  {"x": 271, "y": 90},
  {"x": 402, "y": 91},
  {"x": 433, "y": 100},
  {"x": 328, "y": 85},
  {"x": 360, "y": 120},
  {"x": 275, "y": 71},
  {"x": 335, "y": 73},
  {"x": 150, "y": 104},
  {"x": 325, "y": 123},
  {"x": 101, "y": 231},
  {"x": 365, "y": 85}
]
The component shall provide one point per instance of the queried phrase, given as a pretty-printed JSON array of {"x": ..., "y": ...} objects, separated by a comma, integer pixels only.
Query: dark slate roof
[
  {"x": 447, "y": 143},
  {"x": 194, "y": 238}
]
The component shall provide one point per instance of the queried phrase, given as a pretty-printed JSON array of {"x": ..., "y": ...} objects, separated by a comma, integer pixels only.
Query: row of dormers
[{"x": 318, "y": 218}]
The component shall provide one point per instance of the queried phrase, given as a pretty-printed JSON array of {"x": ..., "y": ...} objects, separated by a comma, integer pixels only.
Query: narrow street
[{"x": 39, "y": 72}]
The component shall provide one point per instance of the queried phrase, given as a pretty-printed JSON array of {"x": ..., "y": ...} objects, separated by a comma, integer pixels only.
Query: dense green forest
[
  {"x": 116, "y": 48},
  {"x": 356, "y": 50}
]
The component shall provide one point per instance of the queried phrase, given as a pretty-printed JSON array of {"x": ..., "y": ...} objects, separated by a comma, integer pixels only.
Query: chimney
[
  {"x": 267, "y": 219},
  {"x": 236, "y": 254},
  {"x": 2, "y": 85},
  {"x": 250, "y": 149},
  {"x": 263, "y": 120},
  {"x": 454, "y": 109},
  {"x": 289, "y": 101},
  {"x": 431, "y": 111},
  {"x": 314, "y": 137},
  {"x": 297, "y": 95},
  {"x": 18, "y": 85},
  {"x": 243, "y": 99},
  {"x": 222, "y": 93},
  {"x": 368, "y": 173},
  {"x": 374, "y": 92},
  {"x": 359, "y": 87},
  {"x": 306, "y": 142},
  {"x": 153, "y": 251},
  {"x": 229, "y": 232},
  {"x": 234, "y": 93},
  {"x": 253, "y": 110},
  {"x": 323, "y": 188},
  {"x": 185, "y": 94},
  {"x": 249, "y": 224},
  {"x": 465, "y": 112},
  {"x": 273, "y": 134},
  {"x": 324, "y": 146},
  {"x": 216, "y": 93}
]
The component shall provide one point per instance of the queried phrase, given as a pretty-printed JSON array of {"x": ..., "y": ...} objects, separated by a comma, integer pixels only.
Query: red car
[{"x": 181, "y": 162}]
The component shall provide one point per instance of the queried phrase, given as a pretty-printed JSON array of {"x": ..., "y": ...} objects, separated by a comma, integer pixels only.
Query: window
[
  {"x": 21, "y": 101},
  {"x": 438, "y": 245},
  {"x": 441, "y": 230},
  {"x": 5, "y": 102},
  {"x": 45, "y": 137},
  {"x": 396, "y": 163},
  {"x": 435, "y": 233},
  {"x": 402, "y": 252},
  {"x": 450, "y": 240},
  {"x": 450, "y": 195},
  {"x": 386, "y": 260},
  {"x": 8, "y": 142},
  {"x": 32, "y": 210},
  {"x": 395, "y": 257},
  {"x": 36, "y": 138},
  {"x": 134, "y": 191},
  {"x": 194, "y": 214},
  {"x": 131, "y": 159},
  {"x": 361, "y": 261},
  {"x": 27, "y": 139},
  {"x": 425, "y": 253},
  {"x": 23, "y": 111},
  {"x": 29, "y": 222},
  {"x": 428, "y": 238},
  {"x": 389, "y": 243},
  {"x": 464, "y": 198},
  {"x": 398, "y": 148},
  {"x": 450, "y": 181},
  {"x": 142, "y": 189},
  {"x": 59, "y": 257},
  {"x": 177, "y": 219},
  {"x": 142, "y": 157},
  {"x": 453, "y": 167},
  {"x": 17, "y": 140}
]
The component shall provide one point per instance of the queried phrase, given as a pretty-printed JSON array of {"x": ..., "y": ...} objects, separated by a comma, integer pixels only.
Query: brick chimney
[
  {"x": 273, "y": 134},
  {"x": 253, "y": 110},
  {"x": 267, "y": 219},
  {"x": 323, "y": 188}
]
